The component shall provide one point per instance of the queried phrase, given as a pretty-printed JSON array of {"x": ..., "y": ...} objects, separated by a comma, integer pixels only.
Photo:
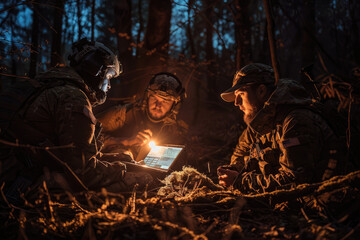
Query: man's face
[
  {"x": 248, "y": 102},
  {"x": 158, "y": 106}
]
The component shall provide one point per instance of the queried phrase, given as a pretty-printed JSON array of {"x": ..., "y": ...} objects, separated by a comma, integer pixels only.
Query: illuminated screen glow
[{"x": 162, "y": 156}]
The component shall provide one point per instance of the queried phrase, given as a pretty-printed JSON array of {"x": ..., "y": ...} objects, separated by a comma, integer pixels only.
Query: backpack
[
  {"x": 15, "y": 161},
  {"x": 343, "y": 128}
]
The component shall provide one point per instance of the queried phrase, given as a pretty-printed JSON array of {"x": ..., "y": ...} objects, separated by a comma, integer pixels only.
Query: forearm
[
  {"x": 238, "y": 157},
  {"x": 241, "y": 151},
  {"x": 110, "y": 141}
]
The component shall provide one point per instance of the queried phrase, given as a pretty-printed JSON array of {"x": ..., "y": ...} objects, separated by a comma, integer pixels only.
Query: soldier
[
  {"x": 287, "y": 140},
  {"x": 55, "y": 110},
  {"x": 129, "y": 127}
]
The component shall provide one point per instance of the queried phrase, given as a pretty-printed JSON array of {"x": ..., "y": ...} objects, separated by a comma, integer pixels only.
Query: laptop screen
[{"x": 162, "y": 156}]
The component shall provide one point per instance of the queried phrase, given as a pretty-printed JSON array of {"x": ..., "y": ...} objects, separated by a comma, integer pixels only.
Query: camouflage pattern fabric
[
  {"x": 288, "y": 142},
  {"x": 59, "y": 116}
]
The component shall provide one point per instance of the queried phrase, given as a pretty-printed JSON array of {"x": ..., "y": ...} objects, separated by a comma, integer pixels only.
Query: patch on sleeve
[
  {"x": 291, "y": 142},
  {"x": 90, "y": 115}
]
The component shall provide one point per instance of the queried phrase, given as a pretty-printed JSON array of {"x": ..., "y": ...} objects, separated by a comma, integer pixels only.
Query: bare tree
[
  {"x": 307, "y": 32},
  {"x": 92, "y": 20},
  {"x": 56, "y": 57},
  {"x": 242, "y": 33},
  {"x": 271, "y": 37},
  {"x": 34, "y": 42},
  {"x": 123, "y": 24},
  {"x": 78, "y": 7},
  {"x": 153, "y": 57},
  {"x": 355, "y": 15},
  {"x": 158, "y": 31},
  {"x": 141, "y": 27},
  {"x": 209, "y": 48},
  {"x": 189, "y": 32}
]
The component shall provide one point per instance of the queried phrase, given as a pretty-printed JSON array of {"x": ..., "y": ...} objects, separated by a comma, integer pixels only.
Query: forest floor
[{"x": 190, "y": 205}]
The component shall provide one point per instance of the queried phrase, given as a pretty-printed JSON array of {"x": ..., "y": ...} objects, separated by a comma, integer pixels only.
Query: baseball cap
[{"x": 254, "y": 73}]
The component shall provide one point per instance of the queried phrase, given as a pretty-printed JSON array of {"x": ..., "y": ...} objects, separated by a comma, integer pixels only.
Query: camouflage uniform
[
  {"x": 61, "y": 115},
  {"x": 125, "y": 121},
  {"x": 288, "y": 142}
]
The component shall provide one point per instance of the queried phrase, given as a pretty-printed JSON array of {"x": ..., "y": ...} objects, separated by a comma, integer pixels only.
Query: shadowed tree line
[{"x": 203, "y": 42}]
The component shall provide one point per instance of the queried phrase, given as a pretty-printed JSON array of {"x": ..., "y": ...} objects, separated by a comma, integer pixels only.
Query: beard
[
  {"x": 250, "y": 115},
  {"x": 100, "y": 97},
  {"x": 156, "y": 114}
]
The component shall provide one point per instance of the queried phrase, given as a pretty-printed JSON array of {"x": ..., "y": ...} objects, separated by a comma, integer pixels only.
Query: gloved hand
[
  {"x": 140, "y": 139},
  {"x": 227, "y": 176}
]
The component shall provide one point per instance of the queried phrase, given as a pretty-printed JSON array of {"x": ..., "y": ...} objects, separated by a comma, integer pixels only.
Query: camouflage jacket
[
  {"x": 125, "y": 121},
  {"x": 288, "y": 142},
  {"x": 62, "y": 115}
]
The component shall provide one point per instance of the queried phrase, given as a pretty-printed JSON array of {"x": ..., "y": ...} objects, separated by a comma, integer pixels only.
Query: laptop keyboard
[{"x": 152, "y": 161}]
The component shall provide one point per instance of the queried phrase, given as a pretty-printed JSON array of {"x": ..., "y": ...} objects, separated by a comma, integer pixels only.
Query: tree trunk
[
  {"x": 141, "y": 28},
  {"x": 13, "y": 58},
  {"x": 209, "y": 49},
  {"x": 271, "y": 37},
  {"x": 158, "y": 30},
  {"x": 308, "y": 32},
  {"x": 122, "y": 12},
  {"x": 264, "y": 53},
  {"x": 242, "y": 33},
  {"x": 189, "y": 32},
  {"x": 92, "y": 20},
  {"x": 56, "y": 58},
  {"x": 153, "y": 57},
  {"x": 123, "y": 25},
  {"x": 34, "y": 42},
  {"x": 354, "y": 13},
  {"x": 78, "y": 5},
  {"x": 194, "y": 56}
]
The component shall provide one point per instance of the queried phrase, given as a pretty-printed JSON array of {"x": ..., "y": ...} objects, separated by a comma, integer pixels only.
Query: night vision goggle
[
  {"x": 168, "y": 95},
  {"x": 109, "y": 73}
]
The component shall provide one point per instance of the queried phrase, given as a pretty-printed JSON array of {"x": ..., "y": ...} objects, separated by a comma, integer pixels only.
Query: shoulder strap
[
  {"x": 330, "y": 116},
  {"x": 36, "y": 93}
]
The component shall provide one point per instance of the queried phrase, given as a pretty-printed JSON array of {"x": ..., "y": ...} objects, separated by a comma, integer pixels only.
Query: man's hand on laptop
[{"x": 140, "y": 139}]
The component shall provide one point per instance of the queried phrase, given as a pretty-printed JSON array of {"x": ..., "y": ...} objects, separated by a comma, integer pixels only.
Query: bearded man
[
  {"x": 287, "y": 140},
  {"x": 129, "y": 127}
]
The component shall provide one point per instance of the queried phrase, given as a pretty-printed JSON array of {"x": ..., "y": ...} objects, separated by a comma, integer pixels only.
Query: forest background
[{"x": 201, "y": 41}]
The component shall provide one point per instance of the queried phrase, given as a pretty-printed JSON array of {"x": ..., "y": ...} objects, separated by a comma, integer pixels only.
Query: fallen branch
[
  {"x": 272, "y": 46},
  {"x": 16, "y": 144},
  {"x": 315, "y": 189},
  {"x": 69, "y": 169},
  {"x": 277, "y": 196}
]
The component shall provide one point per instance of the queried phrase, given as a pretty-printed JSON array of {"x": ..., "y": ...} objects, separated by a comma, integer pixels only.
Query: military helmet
[
  {"x": 168, "y": 86},
  {"x": 96, "y": 64}
]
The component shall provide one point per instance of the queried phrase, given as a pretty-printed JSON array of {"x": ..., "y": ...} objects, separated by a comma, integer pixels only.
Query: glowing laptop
[{"x": 159, "y": 158}]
